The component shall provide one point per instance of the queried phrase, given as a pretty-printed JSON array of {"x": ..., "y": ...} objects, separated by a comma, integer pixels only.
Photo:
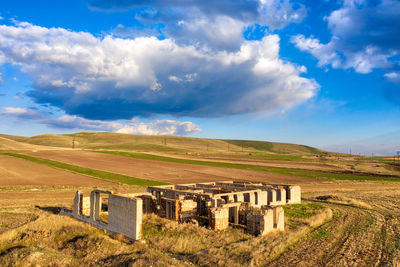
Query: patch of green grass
[
  {"x": 114, "y": 177},
  {"x": 258, "y": 145},
  {"x": 302, "y": 211},
  {"x": 384, "y": 159},
  {"x": 282, "y": 157},
  {"x": 321, "y": 233},
  {"x": 311, "y": 174}
]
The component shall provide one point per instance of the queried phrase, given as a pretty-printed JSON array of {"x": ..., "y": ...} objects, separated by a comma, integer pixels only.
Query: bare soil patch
[
  {"x": 161, "y": 171},
  {"x": 15, "y": 171}
]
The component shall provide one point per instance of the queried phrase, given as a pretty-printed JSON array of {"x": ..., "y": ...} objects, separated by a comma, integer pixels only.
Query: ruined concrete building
[{"x": 258, "y": 206}]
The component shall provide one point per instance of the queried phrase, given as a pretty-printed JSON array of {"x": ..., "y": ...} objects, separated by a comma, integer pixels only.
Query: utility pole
[
  {"x": 207, "y": 147},
  {"x": 73, "y": 142},
  {"x": 398, "y": 157}
]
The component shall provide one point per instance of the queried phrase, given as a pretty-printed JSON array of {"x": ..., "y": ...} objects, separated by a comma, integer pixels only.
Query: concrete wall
[
  {"x": 294, "y": 194},
  {"x": 125, "y": 216},
  {"x": 124, "y": 213},
  {"x": 188, "y": 210},
  {"x": 268, "y": 219},
  {"x": 219, "y": 218}
]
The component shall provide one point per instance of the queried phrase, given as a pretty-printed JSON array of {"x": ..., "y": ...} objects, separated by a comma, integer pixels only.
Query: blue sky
[{"x": 320, "y": 73}]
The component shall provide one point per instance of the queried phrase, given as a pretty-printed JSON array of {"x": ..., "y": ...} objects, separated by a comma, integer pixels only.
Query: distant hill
[
  {"x": 116, "y": 141},
  {"x": 10, "y": 144}
]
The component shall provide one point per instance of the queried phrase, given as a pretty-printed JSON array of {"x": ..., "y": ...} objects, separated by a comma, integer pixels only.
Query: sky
[{"x": 320, "y": 73}]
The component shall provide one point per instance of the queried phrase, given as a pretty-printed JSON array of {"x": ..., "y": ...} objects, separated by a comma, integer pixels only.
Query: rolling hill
[{"x": 116, "y": 141}]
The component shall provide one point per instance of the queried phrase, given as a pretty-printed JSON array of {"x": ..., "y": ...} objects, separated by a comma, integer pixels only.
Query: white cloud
[
  {"x": 22, "y": 113},
  {"x": 160, "y": 127},
  {"x": 113, "y": 78},
  {"x": 276, "y": 14},
  {"x": 174, "y": 78},
  {"x": 157, "y": 127},
  {"x": 220, "y": 32},
  {"x": 325, "y": 53},
  {"x": 215, "y": 24},
  {"x": 393, "y": 76},
  {"x": 75, "y": 122},
  {"x": 364, "y": 37}
]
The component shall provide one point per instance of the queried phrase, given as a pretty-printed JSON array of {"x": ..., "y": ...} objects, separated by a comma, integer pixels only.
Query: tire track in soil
[{"x": 351, "y": 241}]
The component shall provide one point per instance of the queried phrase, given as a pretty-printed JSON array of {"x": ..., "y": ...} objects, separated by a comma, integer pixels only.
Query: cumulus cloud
[
  {"x": 393, "y": 76},
  {"x": 111, "y": 78},
  {"x": 160, "y": 127},
  {"x": 157, "y": 127},
  {"x": 21, "y": 113},
  {"x": 325, "y": 53},
  {"x": 216, "y": 24},
  {"x": 365, "y": 36},
  {"x": 75, "y": 122}
]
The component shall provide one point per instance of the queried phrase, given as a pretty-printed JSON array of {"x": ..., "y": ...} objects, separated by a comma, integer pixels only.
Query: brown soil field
[
  {"x": 169, "y": 172},
  {"x": 276, "y": 163},
  {"x": 15, "y": 171}
]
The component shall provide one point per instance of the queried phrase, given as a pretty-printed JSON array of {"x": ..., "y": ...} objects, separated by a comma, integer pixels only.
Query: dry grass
[
  {"x": 55, "y": 240},
  {"x": 259, "y": 251},
  {"x": 186, "y": 238}
]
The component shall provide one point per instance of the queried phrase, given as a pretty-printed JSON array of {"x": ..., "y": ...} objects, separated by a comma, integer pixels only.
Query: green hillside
[{"x": 116, "y": 141}]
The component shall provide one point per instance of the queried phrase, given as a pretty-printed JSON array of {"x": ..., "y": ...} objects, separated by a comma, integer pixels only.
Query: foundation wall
[
  {"x": 279, "y": 218},
  {"x": 188, "y": 210},
  {"x": 125, "y": 216},
  {"x": 219, "y": 218},
  {"x": 294, "y": 194}
]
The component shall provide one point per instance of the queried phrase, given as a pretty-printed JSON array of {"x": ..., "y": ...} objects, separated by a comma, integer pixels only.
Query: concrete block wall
[
  {"x": 124, "y": 213},
  {"x": 125, "y": 216},
  {"x": 188, "y": 210},
  {"x": 268, "y": 219},
  {"x": 219, "y": 218},
  {"x": 279, "y": 218},
  {"x": 294, "y": 194}
]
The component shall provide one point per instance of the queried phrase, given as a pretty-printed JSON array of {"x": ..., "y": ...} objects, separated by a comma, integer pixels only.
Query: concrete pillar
[
  {"x": 271, "y": 196},
  {"x": 262, "y": 198},
  {"x": 236, "y": 214},
  {"x": 95, "y": 206},
  {"x": 283, "y": 195},
  {"x": 240, "y": 197},
  {"x": 252, "y": 199},
  {"x": 294, "y": 194},
  {"x": 279, "y": 218},
  {"x": 77, "y": 210},
  {"x": 267, "y": 222},
  {"x": 231, "y": 199}
]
